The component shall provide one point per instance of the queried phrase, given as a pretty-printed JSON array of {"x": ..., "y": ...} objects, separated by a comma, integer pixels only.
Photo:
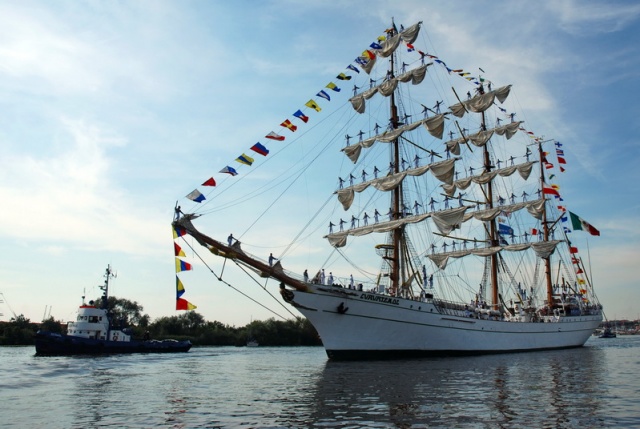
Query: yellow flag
[{"x": 313, "y": 105}]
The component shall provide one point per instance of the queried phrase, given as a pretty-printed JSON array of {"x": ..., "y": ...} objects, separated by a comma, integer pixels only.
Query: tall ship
[{"x": 456, "y": 238}]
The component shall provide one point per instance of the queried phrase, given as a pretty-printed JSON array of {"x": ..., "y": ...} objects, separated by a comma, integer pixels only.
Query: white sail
[
  {"x": 480, "y": 102},
  {"x": 391, "y": 44},
  {"x": 387, "y": 87},
  {"x": 523, "y": 169},
  {"x": 445, "y": 221},
  {"x": 481, "y": 138},
  {"x": 534, "y": 208},
  {"x": 434, "y": 125},
  {"x": 443, "y": 171},
  {"x": 542, "y": 250}
]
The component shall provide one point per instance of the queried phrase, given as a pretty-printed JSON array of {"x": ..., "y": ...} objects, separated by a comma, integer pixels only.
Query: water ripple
[{"x": 220, "y": 387}]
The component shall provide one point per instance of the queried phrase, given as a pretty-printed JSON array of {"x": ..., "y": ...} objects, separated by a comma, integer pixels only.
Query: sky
[{"x": 110, "y": 112}]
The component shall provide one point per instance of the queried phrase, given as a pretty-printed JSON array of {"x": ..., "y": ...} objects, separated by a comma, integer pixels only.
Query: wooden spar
[
  {"x": 236, "y": 253},
  {"x": 466, "y": 140}
]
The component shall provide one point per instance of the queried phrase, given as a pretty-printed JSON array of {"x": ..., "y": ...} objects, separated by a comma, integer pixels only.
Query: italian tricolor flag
[{"x": 577, "y": 223}]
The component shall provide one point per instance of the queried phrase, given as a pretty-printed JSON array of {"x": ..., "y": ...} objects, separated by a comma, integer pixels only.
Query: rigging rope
[
  {"x": 229, "y": 284},
  {"x": 265, "y": 289}
]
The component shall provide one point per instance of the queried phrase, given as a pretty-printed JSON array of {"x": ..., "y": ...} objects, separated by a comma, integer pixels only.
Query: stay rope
[{"x": 219, "y": 277}]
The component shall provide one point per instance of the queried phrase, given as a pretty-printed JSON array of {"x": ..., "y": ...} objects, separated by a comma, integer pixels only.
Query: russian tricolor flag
[{"x": 258, "y": 147}]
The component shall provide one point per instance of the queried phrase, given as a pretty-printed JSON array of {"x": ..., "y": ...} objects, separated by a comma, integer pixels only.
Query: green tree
[
  {"x": 125, "y": 312},
  {"x": 166, "y": 326},
  {"x": 51, "y": 325},
  {"x": 20, "y": 321},
  {"x": 192, "y": 321},
  {"x": 18, "y": 331}
]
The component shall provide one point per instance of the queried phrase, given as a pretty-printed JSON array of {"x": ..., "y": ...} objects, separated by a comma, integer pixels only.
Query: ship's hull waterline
[{"x": 361, "y": 325}]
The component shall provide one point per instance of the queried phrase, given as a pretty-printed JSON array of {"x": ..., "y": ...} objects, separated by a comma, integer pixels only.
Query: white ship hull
[{"x": 375, "y": 326}]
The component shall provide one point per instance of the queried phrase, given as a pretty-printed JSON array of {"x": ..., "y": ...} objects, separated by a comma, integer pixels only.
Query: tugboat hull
[{"x": 52, "y": 344}]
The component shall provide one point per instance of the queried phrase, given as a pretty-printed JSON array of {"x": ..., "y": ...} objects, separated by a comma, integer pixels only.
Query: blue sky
[{"x": 112, "y": 111}]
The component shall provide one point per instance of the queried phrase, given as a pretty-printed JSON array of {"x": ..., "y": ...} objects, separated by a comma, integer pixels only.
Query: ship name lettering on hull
[{"x": 378, "y": 298}]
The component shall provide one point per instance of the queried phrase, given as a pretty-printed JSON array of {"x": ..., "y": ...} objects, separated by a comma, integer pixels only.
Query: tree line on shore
[{"x": 187, "y": 326}]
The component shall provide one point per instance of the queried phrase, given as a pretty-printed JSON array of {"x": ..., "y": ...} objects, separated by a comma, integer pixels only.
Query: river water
[{"x": 597, "y": 386}]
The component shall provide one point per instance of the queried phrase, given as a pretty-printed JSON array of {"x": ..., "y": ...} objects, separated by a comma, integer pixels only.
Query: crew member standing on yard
[
  {"x": 178, "y": 213},
  {"x": 271, "y": 259},
  {"x": 230, "y": 239}
]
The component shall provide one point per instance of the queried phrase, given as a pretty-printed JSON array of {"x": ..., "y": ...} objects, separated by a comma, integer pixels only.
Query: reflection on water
[
  {"x": 590, "y": 387},
  {"x": 551, "y": 389}
]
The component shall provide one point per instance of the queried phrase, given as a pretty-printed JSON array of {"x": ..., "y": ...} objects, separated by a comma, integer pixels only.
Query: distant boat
[
  {"x": 251, "y": 341},
  {"x": 488, "y": 236},
  {"x": 92, "y": 333},
  {"x": 607, "y": 333}
]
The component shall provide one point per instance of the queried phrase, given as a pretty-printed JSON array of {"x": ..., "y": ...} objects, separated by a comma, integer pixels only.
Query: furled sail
[
  {"x": 523, "y": 169},
  {"x": 339, "y": 239},
  {"x": 480, "y": 102},
  {"x": 448, "y": 220},
  {"x": 508, "y": 130},
  {"x": 543, "y": 249},
  {"x": 388, "y": 46},
  {"x": 387, "y": 87},
  {"x": 445, "y": 221},
  {"x": 481, "y": 138},
  {"x": 416, "y": 76},
  {"x": 434, "y": 125},
  {"x": 410, "y": 34},
  {"x": 443, "y": 171},
  {"x": 535, "y": 208}
]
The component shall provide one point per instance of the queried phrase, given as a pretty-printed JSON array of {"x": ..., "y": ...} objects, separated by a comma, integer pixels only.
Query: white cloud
[
  {"x": 70, "y": 199},
  {"x": 579, "y": 17}
]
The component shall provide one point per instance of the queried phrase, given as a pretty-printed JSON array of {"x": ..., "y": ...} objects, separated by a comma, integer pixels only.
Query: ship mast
[
  {"x": 397, "y": 193},
  {"x": 108, "y": 274},
  {"x": 105, "y": 288},
  {"x": 545, "y": 228},
  {"x": 493, "y": 241}
]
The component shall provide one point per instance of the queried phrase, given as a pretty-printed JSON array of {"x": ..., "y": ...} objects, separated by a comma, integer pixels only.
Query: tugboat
[{"x": 93, "y": 334}]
